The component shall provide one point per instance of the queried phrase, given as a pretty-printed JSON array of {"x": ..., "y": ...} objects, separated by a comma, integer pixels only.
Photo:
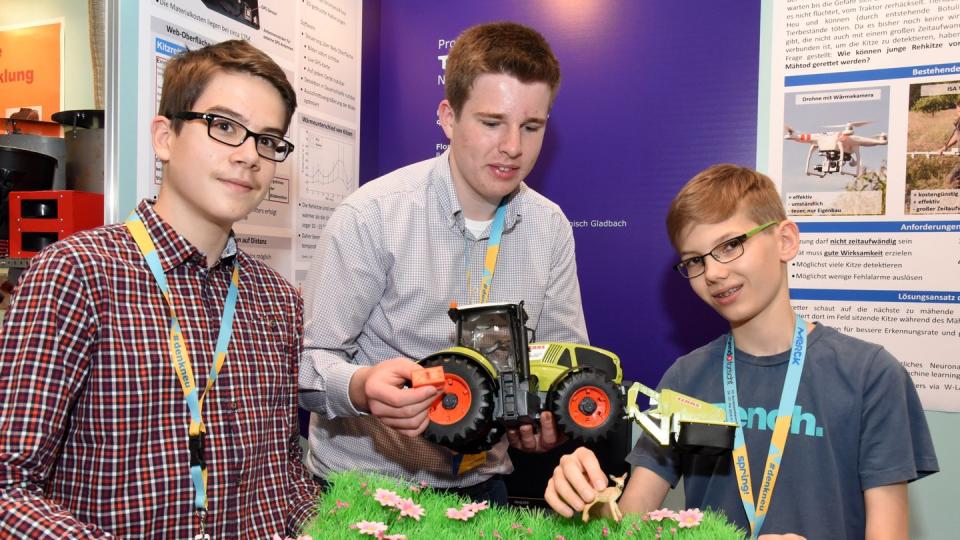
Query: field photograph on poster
[
  {"x": 835, "y": 152},
  {"x": 933, "y": 149}
]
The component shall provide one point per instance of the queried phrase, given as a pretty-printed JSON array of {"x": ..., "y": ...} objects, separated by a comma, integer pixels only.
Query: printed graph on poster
[
  {"x": 326, "y": 160},
  {"x": 933, "y": 149},
  {"x": 835, "y": 152}
]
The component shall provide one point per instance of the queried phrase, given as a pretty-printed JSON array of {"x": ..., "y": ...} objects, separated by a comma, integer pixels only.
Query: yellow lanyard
[{"x": 493, "y": 252}]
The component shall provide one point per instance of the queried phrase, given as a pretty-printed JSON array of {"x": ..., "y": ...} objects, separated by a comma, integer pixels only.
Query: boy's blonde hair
[{"x": 717, "y": 193}]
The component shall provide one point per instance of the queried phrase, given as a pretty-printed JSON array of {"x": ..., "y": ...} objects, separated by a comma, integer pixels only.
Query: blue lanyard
[
  {"x": 181, "y": 359},
  {"x": 778, "y": 441},
  {"x": 493, "y": 252}
]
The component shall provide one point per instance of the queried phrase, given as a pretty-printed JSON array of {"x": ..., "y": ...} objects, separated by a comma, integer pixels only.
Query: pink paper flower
[
  {"x": 387, "y": 498},
  {"x": 606, "y": 531},
  {"x": 395, "y": 537},
  {"x": 408, "y": 508},
  {"x": 461, "y": 514},
  {"x": 373, "y": 528},
  {"x": 476, "y": 507},
  {"x": 661, "y": 514},
  {"x": 689, "y": 518}
]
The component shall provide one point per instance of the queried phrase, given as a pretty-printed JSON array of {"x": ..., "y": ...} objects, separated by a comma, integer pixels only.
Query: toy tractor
[
  {"x": 680, "y": 420},
  {"x": 494, "y": 380}
]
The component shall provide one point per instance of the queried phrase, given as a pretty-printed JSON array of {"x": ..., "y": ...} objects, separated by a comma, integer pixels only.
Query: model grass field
[
  {"x": 494, "y": 379},
  {"x": 352, "y": 508}
]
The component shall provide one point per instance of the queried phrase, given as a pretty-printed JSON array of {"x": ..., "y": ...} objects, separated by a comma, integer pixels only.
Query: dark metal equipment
[
  {"x": 84, "y": 149},
  {"x": 21, "y": 170}
]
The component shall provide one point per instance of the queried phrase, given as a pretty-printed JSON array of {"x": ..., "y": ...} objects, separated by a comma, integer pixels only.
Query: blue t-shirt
[{"x": 857, "y": 424}]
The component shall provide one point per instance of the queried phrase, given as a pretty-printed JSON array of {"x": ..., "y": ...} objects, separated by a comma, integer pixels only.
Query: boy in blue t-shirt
[{"x": 853, "y": 431}]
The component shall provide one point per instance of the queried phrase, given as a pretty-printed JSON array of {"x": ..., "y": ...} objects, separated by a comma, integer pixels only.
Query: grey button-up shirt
[{"x": 391, "y": 259}]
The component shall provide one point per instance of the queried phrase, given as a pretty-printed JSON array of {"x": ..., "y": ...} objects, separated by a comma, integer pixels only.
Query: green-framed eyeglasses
[{"x": 724, "y": 252}]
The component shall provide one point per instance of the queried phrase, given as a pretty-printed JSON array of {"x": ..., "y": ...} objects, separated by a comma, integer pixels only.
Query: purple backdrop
[{"x": 652, "y": 92}]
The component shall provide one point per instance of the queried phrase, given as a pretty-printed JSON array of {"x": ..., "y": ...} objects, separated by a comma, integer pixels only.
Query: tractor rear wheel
[
  {"x": 463, "y": 414},
  {"x": 586, "y": 405}
]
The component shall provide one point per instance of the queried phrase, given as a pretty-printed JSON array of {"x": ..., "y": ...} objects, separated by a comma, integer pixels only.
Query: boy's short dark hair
[
  {"x": 503, "y": 47},
  {"x": 187, "y": 74},
  {"x": 717, "y": 193}
]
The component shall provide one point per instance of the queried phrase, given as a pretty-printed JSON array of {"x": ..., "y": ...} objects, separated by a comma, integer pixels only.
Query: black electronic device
[{"x": 245, "y": 11}]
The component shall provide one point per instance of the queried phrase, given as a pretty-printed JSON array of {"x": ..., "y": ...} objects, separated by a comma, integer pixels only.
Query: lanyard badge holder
[
  {"x": 198, "y": 463},
  {"x": 181, "y": 364}
]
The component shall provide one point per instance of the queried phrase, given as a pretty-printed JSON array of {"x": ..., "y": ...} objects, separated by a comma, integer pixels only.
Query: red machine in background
[
  {"x": 40, "y": 218},
  {"x": 50, "y": 186}
]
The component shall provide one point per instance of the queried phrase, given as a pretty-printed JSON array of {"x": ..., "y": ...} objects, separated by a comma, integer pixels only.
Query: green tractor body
[{"x": 496, "y": 380}]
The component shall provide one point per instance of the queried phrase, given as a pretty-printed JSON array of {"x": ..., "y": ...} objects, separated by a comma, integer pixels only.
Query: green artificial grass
[{"x": 350, "y": 500}]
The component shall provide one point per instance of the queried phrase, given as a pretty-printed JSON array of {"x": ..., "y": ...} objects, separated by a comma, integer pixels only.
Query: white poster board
[
  {"x": 318, "y": 43},
  {"x": 860, "y": 102}
]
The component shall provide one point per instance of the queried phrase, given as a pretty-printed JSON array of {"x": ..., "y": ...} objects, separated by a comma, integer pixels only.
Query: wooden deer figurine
[{"x": 608, "y": 496}]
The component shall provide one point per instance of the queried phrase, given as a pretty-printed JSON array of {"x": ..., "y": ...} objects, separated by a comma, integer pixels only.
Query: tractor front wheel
[
  {"x": 586, "y": 405},
  {"x": 463, "y": 414}
]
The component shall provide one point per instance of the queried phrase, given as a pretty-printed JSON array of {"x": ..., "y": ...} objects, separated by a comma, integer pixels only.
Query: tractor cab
[{"x": 496, "y": 331}]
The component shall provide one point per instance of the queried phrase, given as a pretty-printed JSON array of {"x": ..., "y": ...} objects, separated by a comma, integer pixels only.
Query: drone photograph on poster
[{"x": 835, "y": 152}]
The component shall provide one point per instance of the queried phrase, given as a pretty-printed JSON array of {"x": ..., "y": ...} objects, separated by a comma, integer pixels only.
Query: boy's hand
[
  {"x": 782, "y": 537},
  {"x": 575, "y": 482},
  {"x": 380, "y": 389},
  {"x": 527, "y": 439}
]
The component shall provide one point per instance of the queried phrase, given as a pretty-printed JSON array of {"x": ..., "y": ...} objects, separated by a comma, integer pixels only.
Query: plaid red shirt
[{"x": 93, "y": 422}]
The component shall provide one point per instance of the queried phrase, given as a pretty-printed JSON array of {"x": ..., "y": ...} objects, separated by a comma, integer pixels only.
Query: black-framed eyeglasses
[
  {"x": 724, "y": 252},
  {"x": 233, "y": 133}
]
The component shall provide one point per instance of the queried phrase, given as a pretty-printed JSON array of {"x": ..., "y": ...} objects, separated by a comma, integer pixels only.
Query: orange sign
[{"x": 30, "y": 70}]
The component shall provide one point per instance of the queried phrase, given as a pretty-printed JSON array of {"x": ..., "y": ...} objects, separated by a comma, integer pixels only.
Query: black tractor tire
[
  {"x": 464, "y": 427},
  {"x": 586, "y": 405}
]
